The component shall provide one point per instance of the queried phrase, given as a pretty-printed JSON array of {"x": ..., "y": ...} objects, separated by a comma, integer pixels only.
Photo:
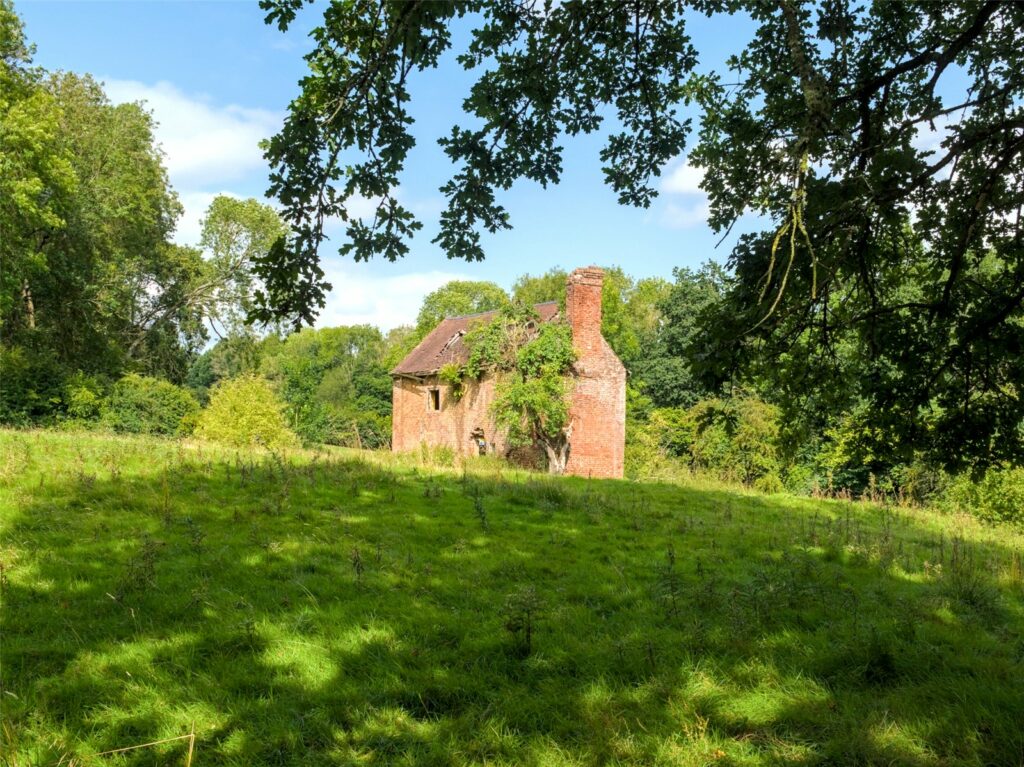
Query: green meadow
[{"x": 345, "y": 608}]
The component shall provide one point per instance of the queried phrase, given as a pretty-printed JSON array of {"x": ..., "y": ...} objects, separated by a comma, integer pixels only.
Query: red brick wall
[
  {"x": 414, "y": 423},
  {"x": 598, "y": 408}
]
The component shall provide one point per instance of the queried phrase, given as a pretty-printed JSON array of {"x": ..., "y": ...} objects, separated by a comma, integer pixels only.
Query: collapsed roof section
[{"x": 444, "y": 343}]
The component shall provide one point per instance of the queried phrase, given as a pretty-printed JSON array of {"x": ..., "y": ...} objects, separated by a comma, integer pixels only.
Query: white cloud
[
  {"x": 364, "y": 208},
  {"x": 357, "y": 206},
  {"x": 682, "y": 178},
  {"x": 686, "y": 204},
  {"x": 207, "y": 147},
  {"x": 687, "y": 215},
  {"x": 284, "y": 44},
  {"x": 211, "y": 149},
  {"x": 929, "y": 140},
  {"x": 361, "y": 297},
  {"x": 204, "y": 143}
]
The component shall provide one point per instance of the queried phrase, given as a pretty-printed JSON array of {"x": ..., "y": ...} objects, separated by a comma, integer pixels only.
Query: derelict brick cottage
[{"x": 425, "y": 413}]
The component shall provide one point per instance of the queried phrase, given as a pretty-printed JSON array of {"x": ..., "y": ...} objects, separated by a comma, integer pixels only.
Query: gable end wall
[{"x": 598, "y": 413}]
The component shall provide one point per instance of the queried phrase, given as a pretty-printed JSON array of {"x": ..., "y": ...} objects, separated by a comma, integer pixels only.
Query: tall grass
[{"x": 337, "y": 608}]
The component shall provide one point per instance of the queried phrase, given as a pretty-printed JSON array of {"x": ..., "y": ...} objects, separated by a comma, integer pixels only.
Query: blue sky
[{"x": 218, "y": 80}]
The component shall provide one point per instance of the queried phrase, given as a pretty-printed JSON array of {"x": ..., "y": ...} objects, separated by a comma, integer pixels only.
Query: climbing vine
[{"x": 532, "y": 363}]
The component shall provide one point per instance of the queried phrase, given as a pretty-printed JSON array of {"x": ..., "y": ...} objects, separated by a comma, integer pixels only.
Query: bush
[
  {"x": 769, "y": 484},
  {"x": 738, "y": 437},
  {"x": 244, "y": 412},
  {"x": 998, "y": 496},
  {"x": 31, "y": 383},
  {"x": 83, "y": 398},
  {"x": 646, "y": 457},
  {"x": 674, "y": 430},
  {"x": 356, "y": 424},
  {"x": 735, "y": 439},
  {"x": 143, "y": 405}
]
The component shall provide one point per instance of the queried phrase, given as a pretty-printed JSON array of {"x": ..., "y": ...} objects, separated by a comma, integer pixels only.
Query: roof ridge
[{"x": 440, "y": 346}]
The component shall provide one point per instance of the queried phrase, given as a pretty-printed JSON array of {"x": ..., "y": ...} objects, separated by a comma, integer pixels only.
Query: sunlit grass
[{"x": 345, "y": 608}]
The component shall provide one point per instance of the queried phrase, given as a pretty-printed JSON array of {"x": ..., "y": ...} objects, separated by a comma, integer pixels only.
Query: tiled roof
[{"x": 444, "y": 343}]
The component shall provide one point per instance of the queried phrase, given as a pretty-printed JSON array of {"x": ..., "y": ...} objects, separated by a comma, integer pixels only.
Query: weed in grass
[
  {"x": 906, "y": 622},
  {"x": 481, "y": 513},
  {"x": 15, "y": 460},
  {"x": 357, "y": 564},
  {"x": 652, "y": 661},
  {"x": 305, "y": 622},
  {"x": 879, "y": 661},
  {"x": 1015, "y": 573},
  {"x": 967, "y": 583},
  {"x": 196, "y": 537},
  {"x": 248, "y": 628},
  {"x": 521, "y": 612},
  {"x": 112, "y": 462},
  {"x": 199, "y": 596},
  {"x": 86, "y": 479},
  {"x": 140, "y": 572},
  {"x": 669, "y": 585}
]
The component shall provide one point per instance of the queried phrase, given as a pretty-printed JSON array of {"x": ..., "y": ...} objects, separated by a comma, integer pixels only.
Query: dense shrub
[
  {"x": 998, "y": 496},
  {"x": 142, "y": 405},
  {"x": 673, "y": 430},
  {"x": 30, "y": 386},
  {"x": 735, "y": 439},
  {"x": 333, "y": 385},
  {"x": 245, "y": 412},
  {"x": 353, "y": 426},
  {"x": 854, "y": 452},
  {"x": 83, "y": 398},
  {"x": 646, "y": 458},
  {"x": 916, "y": 482},
  {"x": 355, "y": 406}
]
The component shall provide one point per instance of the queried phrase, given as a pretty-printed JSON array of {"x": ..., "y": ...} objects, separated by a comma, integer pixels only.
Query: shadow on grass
[{"x": 338, "y": 613}]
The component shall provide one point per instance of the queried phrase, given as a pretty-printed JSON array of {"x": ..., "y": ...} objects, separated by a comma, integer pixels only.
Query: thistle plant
[
  {"x": 357, "y": 564},
  {"x": 522, "y": 609}
]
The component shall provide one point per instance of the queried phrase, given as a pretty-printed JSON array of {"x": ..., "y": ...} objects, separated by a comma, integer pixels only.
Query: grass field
[{"x": 323, "y": 609}]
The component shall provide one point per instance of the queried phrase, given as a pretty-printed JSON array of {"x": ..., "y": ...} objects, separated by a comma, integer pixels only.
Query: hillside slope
[{"x": 321, "y": 609}]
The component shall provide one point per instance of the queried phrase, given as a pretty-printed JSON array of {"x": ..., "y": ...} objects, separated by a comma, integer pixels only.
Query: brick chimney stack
[{"x": 583, "y": 308}]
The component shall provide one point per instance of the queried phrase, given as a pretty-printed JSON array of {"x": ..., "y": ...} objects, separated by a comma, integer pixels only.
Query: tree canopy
[
  {"x": 457, "y": 298},
  {"x": 90, "y": 282},
  {"x": 880, "y": 144},
  {"x": 236, "y": 233}
]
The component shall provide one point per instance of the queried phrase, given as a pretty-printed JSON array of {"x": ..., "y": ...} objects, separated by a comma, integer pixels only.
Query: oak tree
[{"x": 881, "y": 145}]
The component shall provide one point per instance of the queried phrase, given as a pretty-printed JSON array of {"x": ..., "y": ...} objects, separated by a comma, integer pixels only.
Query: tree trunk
[
  {"x": 557, "y": 449},
  {"x": 30, "y": 307}
]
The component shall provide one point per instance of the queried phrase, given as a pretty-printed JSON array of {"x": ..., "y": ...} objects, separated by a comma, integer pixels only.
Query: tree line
[{"x": 881, "y": 381}]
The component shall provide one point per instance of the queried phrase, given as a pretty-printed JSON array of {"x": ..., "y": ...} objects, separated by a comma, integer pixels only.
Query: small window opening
[{"x": 434, "y": 399}]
